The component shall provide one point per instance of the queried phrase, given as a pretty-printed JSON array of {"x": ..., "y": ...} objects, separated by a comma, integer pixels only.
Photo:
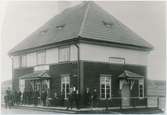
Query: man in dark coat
[
  {"x": 94, "y": 98},
  {"x": 87, "y": 97},
  {"x": 43, "y": 97},
  {"x": 77, "y": 99}
]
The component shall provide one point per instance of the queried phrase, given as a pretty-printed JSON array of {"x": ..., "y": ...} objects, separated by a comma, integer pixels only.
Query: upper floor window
[
  {"x": 23, "y": 60},
  {"x": 64, "y": 54},
  {"x": 141, "y": 88},
  {"x": 117, "y": 60},
  {"x": 16, "y": 61},
  {"x": 41, "y": 57},
  {"x": 31, "y": 59},
  {"x": 105, "y": 86}
]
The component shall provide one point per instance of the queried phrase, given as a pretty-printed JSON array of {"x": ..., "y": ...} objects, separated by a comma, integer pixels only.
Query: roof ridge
[{"x": 84, "y": 18}]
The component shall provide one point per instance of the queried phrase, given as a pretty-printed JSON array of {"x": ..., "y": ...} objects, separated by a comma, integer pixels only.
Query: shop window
[
  {"x": 23, "y": 61},
  {"x": 65, "y": 85},
  {"x": 141, "y": 88},
  {"x": 41, "y": 57},
  {"x": 64, "y": 54},
  {"x": 105, "y": 86}
]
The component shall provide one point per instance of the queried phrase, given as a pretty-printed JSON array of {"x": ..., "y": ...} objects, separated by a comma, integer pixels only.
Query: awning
[
  {"x": 130, "y": 75},
  {"x": 36, "y": 75}
]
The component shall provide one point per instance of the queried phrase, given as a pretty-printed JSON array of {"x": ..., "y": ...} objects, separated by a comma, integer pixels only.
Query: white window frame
[
  {"x": 106, "y": 76},
  {"x": 42, "y": 52},
  {"x": 60, "y": 51},
  {"x": 141, "y": 83},
  {"x": 16, "y": 62},
  {"x": 23, "y": 60},
  {"x": 65, "y": 79}
]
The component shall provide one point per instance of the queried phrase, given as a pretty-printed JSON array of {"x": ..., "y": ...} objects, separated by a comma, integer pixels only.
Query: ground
[{"x": 17, "y": 110}]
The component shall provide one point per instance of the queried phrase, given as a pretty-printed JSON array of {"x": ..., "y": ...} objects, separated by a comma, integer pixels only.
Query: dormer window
[
  {"x": 60, "y": 27},
  {"x": 44, "y": 31},
  {"x": 107, "y": 24}
]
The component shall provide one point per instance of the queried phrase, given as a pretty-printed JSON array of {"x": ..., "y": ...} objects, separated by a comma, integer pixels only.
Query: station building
[{"x": 86, "y": 47}]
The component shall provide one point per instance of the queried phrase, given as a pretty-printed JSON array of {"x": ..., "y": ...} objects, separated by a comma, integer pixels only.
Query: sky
[{"x": 147, "y": 19}]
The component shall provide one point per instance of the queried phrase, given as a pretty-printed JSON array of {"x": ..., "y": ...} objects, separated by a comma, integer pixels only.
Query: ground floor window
[
  {"x": 21, "y": 85},
  {"x": 105, "y": 86},
  {"x": 65, "y": 84},
  {"x": 141, "y": 88}
]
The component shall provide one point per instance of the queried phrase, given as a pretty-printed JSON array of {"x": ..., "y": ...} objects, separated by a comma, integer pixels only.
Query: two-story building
[{"x": 86, "y": 47}]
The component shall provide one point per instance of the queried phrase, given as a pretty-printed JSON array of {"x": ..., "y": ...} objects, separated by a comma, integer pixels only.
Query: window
[
  {"x": 16, "y": 61},
  {"x": 31, "y": 59},
  {"x": 23, "y": 61},
  {"x": 41, "y": 57},
  {"x": 117, "y": 60},
  {"x": 21, "y": 85},
  {"x": 141, "y": 88},
  {"x": 64, "y": 54},
  {"x": 65, "y": 84},
  {"x": 105, "y": 86}
]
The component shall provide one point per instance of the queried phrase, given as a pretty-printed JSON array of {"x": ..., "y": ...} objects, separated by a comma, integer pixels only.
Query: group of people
[
  {"x": 12, "y": 98},
  {"x": 72, "y": 99},
  {"x": 89, "y": 98}
]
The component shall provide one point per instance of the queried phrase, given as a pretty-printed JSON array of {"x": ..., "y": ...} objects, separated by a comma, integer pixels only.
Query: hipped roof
[
  {"x": 36, "y": 75},
  {"x": 86, "y": 20},
  {"x": 129, "y": 74}
]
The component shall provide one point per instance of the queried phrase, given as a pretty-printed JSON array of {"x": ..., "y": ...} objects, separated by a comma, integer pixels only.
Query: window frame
[
  {"x": 105, "y": 85},
  {"x": 21, "y": 60},
  {"x": 37, "y": 53},
  {"x": 141, "y": 83},
  {"x": 59, "y": 50},
  {"x": 66, "y": 81}
]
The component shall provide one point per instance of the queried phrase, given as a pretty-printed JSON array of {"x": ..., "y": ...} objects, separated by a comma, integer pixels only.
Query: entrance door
[{"x": 125, "y": 93}]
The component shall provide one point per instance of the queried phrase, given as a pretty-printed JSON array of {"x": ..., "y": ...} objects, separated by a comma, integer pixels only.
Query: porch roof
[
  {"x": 130, "y": 75},
  {"x": 36, "y": 75}
]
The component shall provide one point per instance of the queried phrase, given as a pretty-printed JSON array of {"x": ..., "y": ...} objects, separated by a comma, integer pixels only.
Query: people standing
[
  {"x": 94, "y": 98},
  {"x": 43, "y": 97},
  {"x": 77, "y": 99},
  {"x": 87, "y": 97},
  {"x": 70, "y": 99}
]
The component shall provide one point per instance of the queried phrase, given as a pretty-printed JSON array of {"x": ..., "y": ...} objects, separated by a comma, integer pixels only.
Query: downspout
[{"x": 78, "y": 65}]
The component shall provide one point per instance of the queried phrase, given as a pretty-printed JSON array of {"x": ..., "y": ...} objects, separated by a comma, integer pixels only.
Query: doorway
[{"x": 125, "y": 94}]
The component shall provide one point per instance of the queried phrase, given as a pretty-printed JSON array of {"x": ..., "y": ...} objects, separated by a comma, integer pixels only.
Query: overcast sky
[{"x": 147, "y": 19}]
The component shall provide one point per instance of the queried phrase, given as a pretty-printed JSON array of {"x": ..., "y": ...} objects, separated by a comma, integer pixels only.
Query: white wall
[{"x": 102, "y": 53}]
